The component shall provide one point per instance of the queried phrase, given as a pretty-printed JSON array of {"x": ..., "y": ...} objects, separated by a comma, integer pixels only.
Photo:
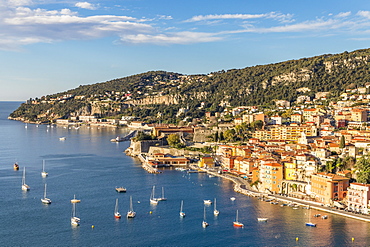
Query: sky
[{"x": 50, "y": 46}]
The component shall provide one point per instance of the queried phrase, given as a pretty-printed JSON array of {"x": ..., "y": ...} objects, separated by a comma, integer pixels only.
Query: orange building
[
  {"x": 271, "y": 176},
  {"x": 329, "y": 187}
]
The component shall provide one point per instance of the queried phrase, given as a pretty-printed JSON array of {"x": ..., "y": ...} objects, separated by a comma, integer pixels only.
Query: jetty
[
  {"x": 148, "y": 165},
  {"x": 124, "y": 138}
]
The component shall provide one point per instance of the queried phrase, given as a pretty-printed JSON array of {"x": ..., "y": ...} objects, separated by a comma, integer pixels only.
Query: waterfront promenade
[{"x": 243, "y": 187}]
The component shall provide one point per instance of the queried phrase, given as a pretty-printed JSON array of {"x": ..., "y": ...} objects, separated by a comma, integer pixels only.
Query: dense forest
[{"x": 257, "y": 85}]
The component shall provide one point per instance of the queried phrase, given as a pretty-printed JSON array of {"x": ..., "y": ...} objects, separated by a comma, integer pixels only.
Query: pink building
[{"x": 358, "y": 197}]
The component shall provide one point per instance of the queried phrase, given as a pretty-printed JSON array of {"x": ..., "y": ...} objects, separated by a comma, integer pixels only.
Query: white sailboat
[
  {"x": 117, "y": 215},
  {"x": 43, "y": 173},
  {"x": 25, "y": 187},
  {"x": 45, "y": 200},
  {"x": 153, "y": 200},
  {"x": 204, "y": 223},
  {"x": 131, "y": 213},
  {"x": 162, "y": 198},
  {"x": 75, "y": 221},
  {"x": 215, "y": 211},
  {"x": 182, "y": 213},
  {"x": 236, "y": 222}
]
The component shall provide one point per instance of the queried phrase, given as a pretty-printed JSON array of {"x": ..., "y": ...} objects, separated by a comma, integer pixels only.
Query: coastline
[{"x": 242, "y": 186}]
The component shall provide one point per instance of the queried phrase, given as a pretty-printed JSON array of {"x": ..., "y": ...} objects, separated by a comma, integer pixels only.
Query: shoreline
[{"x": 239, "y": 183}]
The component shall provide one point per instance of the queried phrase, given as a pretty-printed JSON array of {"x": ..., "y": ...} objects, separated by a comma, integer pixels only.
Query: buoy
[
  {"x": 92, "y": 226},
  {"x": 353, "y": 239},
  {"x": 150, "y": 212},
  {"x": 296, "y": 239}
]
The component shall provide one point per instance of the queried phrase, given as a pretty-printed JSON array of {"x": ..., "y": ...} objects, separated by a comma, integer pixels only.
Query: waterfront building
[
  {"x": 358, "y": 198},
  {"x": 328, "y": 187},
  {"x": 270, "y": 177},
  {"x": 206, "y": 162}
]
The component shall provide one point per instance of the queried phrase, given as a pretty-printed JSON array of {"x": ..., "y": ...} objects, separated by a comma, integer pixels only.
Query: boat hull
[
  {"x": 310, "y": 224},
  {"x": 238, "y": 224}
]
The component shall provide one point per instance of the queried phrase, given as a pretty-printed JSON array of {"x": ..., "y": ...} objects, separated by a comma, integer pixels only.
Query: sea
[{"x": 88, "y": 165}]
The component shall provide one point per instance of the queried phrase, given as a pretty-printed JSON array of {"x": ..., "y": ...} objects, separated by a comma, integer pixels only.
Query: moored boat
[
  {"x": 74, "y": 200},
  {"x": 120, "y": 189},
  {"x": 237, "y": 223},
  {"x": 117, "y": 215},
  {"x": 75, "y": 221},
  {"x": 43, "y": 173},
  {"x": 45, "y": 200},
  {"x": 207, "y": 202},
  {"x": 215, "y": 211},
  {"x": 182, "y": 213},
  {"x": 153, "y": 200},
  {"x": 25, "y": 187},
  {"x": 162, "y": 198},
  {"x": 131, "y": 213},
  {"x": 262, "y": 219},
  {"x": 204, "y": 222}
]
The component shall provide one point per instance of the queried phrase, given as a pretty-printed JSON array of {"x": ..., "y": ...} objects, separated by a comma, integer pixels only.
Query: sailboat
[
  {"x": 236, "y": 222},
  {"x": 75, "y": 221},
  {"x": 131, "y": 213},
  {"x": 43, "y": 173},
  {"x": 309, "y": 223},
  {"x": 117, "y": 215},
  {"x": 74, "y": 200},
  {"x": 162, "y": 198},
  {"x": 25, "y": 187},
  {"x": 215, "y": 211},
  {"x": 204, "y": 223},
  {"x": 153, "y": 200},
  {"x": 45, "y": 200},
  {"x": 182, "y": 213}
]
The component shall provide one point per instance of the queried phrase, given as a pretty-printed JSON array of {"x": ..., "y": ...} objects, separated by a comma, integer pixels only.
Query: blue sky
[{"x": 49, "y": 46}]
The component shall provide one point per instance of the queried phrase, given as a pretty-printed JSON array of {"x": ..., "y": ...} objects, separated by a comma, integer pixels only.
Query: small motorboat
[
  {"x": 232, "y": 198},
  {"x": 16, "y": 167},
  {"x": 262, "y": 219}
]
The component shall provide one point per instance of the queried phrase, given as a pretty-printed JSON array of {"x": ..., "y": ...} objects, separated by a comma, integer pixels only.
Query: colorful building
[{"x": 328, "y": 187}]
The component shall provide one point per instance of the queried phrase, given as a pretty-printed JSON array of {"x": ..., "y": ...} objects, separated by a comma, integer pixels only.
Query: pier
[
  {"x": 147, "y": 166},
  {"x": 125, "y": 138}
]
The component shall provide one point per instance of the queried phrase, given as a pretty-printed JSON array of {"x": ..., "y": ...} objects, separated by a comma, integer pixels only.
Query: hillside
[{"x": 158, "y": 95}]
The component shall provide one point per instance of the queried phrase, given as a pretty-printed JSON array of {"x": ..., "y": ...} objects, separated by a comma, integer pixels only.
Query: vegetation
[{"x": 258, "y": 85}]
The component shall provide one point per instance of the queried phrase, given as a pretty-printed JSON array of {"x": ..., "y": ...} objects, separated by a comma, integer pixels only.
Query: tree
[
  {"x": 342, "y": 143},
  {"x": 173, "y": 140},
  {"x": 362, "y": 169}
]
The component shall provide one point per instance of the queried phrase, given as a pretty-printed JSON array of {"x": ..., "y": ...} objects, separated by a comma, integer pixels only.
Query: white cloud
[
  {"x": 343, "y": 14},
  {"x": 271, "y": 15},
  {"x": 172, "y": 38},
  {"x": 86, "y": 5}
]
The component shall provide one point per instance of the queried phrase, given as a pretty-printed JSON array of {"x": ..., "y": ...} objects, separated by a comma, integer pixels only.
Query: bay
[{"x": 88, "y": 165}]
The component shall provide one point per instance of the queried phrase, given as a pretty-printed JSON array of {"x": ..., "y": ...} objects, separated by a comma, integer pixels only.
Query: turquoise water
[{"x": 89, "y": 165}]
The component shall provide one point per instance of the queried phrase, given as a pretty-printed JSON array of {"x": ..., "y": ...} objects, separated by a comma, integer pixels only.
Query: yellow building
[
  {"x": 291, "y": 133},
  {"x": 206, "y": 161},
  {"x": 290, "y": 171}
]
